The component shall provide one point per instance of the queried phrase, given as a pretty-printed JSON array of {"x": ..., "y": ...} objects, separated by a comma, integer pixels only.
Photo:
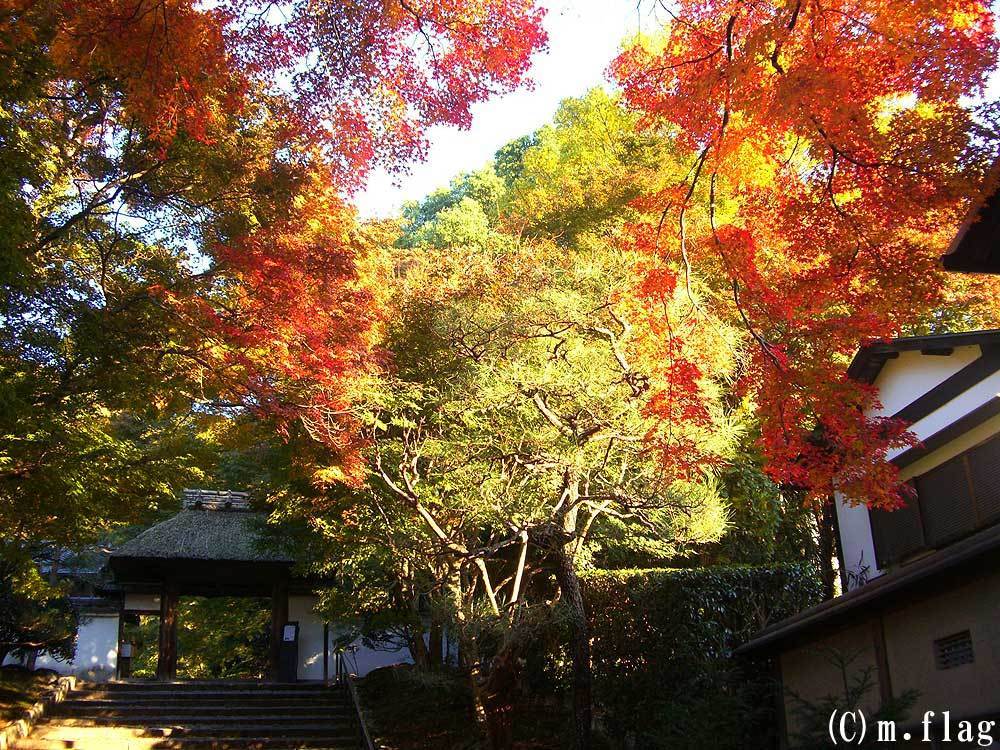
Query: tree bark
[
  {"x": 418, "y": 648},
  {"x": 569, "y": 583},
  {"x": 435, "y": 652},
  {"x": 501, "y": 687},
  {"x": 415, "y": 636},
  {"x": 468, "y": 652},
  {"x": 827, "y": 548}
]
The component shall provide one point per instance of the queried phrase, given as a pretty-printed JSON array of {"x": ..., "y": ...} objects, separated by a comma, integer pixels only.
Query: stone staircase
[{"x": 198, "y": 715}]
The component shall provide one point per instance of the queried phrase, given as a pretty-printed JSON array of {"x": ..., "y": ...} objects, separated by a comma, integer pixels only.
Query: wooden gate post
[
  {"x": 279, "y": 616},
  {"x": 166, "y": 662}
]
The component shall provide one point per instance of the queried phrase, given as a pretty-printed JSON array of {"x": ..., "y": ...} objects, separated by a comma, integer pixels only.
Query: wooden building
[
  {"x": 216, "y": 545},
  {"x": 213, "y": 547},
  {"x": 976, "y": 249},
  {"x": 921, "y": 608}
]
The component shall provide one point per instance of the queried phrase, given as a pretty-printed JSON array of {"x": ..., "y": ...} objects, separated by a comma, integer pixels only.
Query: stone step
[
  {"x": 198, "y": 715},
  {"x": 159, "y": 727},
  {"x": 257, "y": 743},
  {"x": 195, "y": 697},
  {"x": 206, "y": 689},
  {"x": 215, "y": 685},
  {"x": 348, "y": 742},
  {"x": 276, "y": 721},
  {"x": 117, "y": 708},
  {"x": 100, "y": 699}
]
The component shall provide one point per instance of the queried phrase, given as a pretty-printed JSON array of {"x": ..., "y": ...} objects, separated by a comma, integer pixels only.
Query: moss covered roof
[{"x": 205, "y": 535}]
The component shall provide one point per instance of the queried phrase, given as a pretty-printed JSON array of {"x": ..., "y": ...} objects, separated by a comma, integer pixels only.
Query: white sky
[{"x": 584, "y": 36}]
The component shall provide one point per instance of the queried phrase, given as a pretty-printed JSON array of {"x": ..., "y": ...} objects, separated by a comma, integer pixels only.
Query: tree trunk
[
  {"x": 415, "y": 636},
  {"x": 468, "y": 651},
  {"x": 435, "y": 652},
  {"x": 569, "y": 582},
  {"x": 827, "y": 548},
  {"x": 501, "y": 687},
  {"x": 418, "y": 648},
  {"x": 491, "y": 692},
  {"x": 54, "y": 567}
]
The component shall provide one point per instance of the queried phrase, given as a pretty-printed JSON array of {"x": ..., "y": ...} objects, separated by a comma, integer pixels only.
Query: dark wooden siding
[{"x": 952, "y": 501}]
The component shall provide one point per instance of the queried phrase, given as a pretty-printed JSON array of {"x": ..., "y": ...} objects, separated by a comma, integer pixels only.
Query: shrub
[{"x": 663, "y": 643}]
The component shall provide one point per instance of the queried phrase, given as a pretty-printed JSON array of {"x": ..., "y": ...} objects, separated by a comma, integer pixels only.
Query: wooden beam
[
  {"x": 326, "y": 652},
  {"x": 279, "y": 616},
  {"x": 944, "y": 436},
  {"x": 166, "y": 662},
  {"x": 881, "y": 660}
]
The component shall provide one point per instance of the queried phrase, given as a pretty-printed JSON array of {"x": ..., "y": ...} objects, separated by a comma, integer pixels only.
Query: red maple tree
[
  {"x": 279, "y": 309},
  {"x": 832, "y": 154}
]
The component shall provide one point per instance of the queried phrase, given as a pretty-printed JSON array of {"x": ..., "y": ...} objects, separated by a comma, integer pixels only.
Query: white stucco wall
[
  {"x": 911, "y": 374},
  {"x": 902, "y": 381},
  {"x": 96, "y": 650},
  {"x": 966, "y": 402},
  {"x": 365, "y": 660},
  {"x": 360, "y": 660},
  {"x": 97, "y": 645},
  {"x": 310, "y": 637},
  {"x": 856, "y": 542}
]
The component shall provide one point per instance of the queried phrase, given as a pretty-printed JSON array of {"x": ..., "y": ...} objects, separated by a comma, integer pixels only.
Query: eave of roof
[
  {"x": 976, "y": 247},
  {"x": 95, "y": 604},
  {"x": 868, "y": 362},
  {"x": 878, "y": 592}
]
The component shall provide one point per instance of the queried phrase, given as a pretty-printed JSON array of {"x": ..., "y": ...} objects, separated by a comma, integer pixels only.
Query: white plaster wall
[
  {"x": 360, "y": 660},
  {"x": 300, "y": 608},
  {"x": 912, "y": 374},
  {"x": 96, "y": 647},
  {"x": 365, "y": 660},
  {"x": 966, "y": 402},
  {"x": 96, "y": 650},
  {"x": 856, "y": 541}
]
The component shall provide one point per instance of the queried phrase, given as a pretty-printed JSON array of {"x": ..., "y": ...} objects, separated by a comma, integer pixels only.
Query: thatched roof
[{"x": 204, "y": 535}]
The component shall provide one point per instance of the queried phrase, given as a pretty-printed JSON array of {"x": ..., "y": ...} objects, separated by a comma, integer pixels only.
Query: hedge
[{"x": 663, "y": 642}]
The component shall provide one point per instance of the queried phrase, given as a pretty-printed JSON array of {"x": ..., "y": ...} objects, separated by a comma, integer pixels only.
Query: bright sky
[{"x": 584, "y": 36}]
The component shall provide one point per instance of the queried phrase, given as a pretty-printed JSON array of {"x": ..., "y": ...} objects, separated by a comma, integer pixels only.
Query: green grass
[{"x": 20, "y": 689}]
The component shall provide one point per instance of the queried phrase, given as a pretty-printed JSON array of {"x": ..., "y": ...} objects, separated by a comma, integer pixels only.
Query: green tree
[
  {"x": 218, "y": 638},
  {"x": 582, "y": 173},
  {"x": 513, "y": 441},
  {"x": 515, "y": 432},
  {"x": 517, "y": 435}
]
